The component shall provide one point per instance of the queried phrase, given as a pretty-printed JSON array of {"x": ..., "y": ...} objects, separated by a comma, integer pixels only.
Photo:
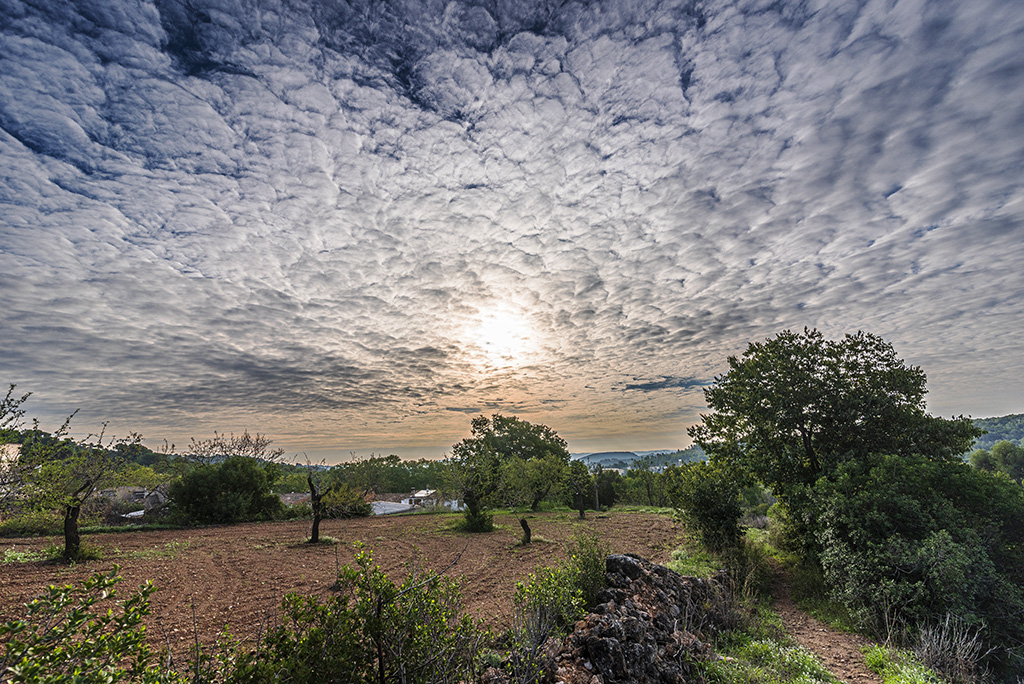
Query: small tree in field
[
  {"x": 580, "y": 484},
  {"x": 63, "y": 474},
  {"x": 476, "y": 466}
]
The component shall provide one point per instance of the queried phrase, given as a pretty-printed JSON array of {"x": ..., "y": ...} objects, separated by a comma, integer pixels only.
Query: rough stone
[{"x": 650, "y": 626}]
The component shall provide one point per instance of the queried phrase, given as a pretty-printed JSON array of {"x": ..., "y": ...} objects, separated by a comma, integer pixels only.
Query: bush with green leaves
[
  {"x": 235, "y": 490},
  {"x": 907, "y": 541},
  {"x": 341, "y": 501},
  {"x": 586, "y": 565},
  {"x": 708, "y": 496},
  {"x": 551, "y": 600},
  {"x": 373, "y": 631},
  {"x": 71, "y": 636}
]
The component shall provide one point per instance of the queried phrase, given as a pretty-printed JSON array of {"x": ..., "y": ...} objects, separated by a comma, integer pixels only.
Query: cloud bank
[{"x": 349, "y": 225}]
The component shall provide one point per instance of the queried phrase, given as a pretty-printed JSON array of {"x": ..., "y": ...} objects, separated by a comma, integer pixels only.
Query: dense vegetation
[
  {"x": 1009, "y": 428},
  {"x": 872, "y": 490}
]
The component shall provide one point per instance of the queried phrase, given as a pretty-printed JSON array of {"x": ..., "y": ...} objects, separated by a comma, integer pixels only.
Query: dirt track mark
[{"x": 838, "y": 651}]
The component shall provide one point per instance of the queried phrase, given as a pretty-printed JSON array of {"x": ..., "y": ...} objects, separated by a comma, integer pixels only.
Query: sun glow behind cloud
[{"x": 502, "y": 338}]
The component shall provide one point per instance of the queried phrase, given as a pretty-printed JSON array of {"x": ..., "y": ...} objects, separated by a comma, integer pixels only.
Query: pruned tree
[
  {"x": 220, "y": 446},
  {"x": 63, "y": 474},
  {"x": 317, "y": 489}
]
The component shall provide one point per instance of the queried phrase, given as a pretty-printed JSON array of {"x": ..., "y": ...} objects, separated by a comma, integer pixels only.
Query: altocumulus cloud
[{"x": 351, "y": 224}]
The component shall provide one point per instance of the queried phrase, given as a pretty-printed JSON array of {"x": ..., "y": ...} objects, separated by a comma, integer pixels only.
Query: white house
[{"x": 429, "y": 497}]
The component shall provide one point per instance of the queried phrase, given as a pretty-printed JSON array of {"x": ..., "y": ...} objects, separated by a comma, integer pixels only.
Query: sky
[{"x": 353, "y": 226}]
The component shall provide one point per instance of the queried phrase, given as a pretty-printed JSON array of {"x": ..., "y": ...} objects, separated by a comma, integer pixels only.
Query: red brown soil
[
  {"x": 235, "y": 576},
  {"x": 839, "y": 652}
]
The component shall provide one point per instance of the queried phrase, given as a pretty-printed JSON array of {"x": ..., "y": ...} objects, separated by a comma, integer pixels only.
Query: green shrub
[
  {"x": 907, "y": 541},
  {"x": 235, "y": 490},
  {"x": 478, "y": 521},
  {"x": 414, "y": 632},
  {"x": 551, "y": 600},
  {"x": 708, "y": 496},
  {"x": 749, "y": 570},
  {"x": 586, "y": 566},
  {"x": 69, "y": 637},
  {"x": 547, "y": 602},
  {"x": 32, "y": 523},
  {"x": 341, "y": 501}
]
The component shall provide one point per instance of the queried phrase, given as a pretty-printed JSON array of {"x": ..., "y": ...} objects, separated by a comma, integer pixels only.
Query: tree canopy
[
  {"x": 477, "y": 462},
  {"x": 796, "y": 406}
]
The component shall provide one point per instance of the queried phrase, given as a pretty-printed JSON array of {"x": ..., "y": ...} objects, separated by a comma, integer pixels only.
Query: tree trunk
[
  {"x": 315, "y": 503},
  {"x": 527, "y": 535},
  {"x": 580, "y": 505},
  {"x": 72, "y": 540}
]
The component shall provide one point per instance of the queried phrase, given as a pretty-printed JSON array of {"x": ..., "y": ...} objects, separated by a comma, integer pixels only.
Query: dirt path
[{"x": 838, "y": 651}]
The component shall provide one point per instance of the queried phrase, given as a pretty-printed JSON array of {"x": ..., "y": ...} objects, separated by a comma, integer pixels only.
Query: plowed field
[{"x": 236, "y": 575}]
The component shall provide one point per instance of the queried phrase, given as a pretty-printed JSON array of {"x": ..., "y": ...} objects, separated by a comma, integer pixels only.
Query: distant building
[
  {"x": 127, "y": 494},
  {"x": 293, "y": 498},
  {"x": 428, "y": 498}
]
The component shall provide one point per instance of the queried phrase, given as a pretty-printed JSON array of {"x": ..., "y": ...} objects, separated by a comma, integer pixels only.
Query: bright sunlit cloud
[{"x": 502, "y": 338}]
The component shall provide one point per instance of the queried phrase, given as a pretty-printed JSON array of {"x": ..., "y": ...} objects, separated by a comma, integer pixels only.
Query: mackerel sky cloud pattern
[{"x": 351, "y": 225}]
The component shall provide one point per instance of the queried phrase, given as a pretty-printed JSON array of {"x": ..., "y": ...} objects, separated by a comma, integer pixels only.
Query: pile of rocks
[{"x": 651, "y": 625}]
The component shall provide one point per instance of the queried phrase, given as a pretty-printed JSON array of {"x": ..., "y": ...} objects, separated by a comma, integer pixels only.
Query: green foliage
[
  {"x": 69, "y": 636},
  {"x": 31, "y": 523},
  {"x": 12, "y": 556},
  {"x": 906, "y": 541},
  {"x": 694, "y": 562},
  {"x": 477, "y": 468},
  {"x": 62, "y": 474},
  {"x": 1009, "y": 428},
  {"x": 545, "y": 604},
  {"x": 643, "y": 483},
  {"x": 550, "y": 602},
  {"x": 586, "y": 565},
  {"x": 1004, "y": 457},
  {"x": 477, "y": 521},
  {"x": 579, "y": 484},
  {"x": 341, "y": 501},
  {"x": 767, "y": 660},
  {"x": 373, "y": 631},
  {"x": 390, "y": 474},
  {"x": 898, "y": 667},
  {"x": 797, "y": 406},
  {"x": 607, "y": 486},
  {"x": 236, "y": 489},
  {"x": 708, "y": 496}
]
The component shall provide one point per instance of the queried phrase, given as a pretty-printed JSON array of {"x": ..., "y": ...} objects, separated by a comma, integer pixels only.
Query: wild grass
[
  {"x": 897, "y": 666},
  {"x": 168, "y": 550}
]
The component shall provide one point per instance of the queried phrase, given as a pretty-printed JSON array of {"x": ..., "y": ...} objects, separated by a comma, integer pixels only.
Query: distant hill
[
  {"x": 623, "y": 460},
  {"x": 1010, "y": 428}
]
